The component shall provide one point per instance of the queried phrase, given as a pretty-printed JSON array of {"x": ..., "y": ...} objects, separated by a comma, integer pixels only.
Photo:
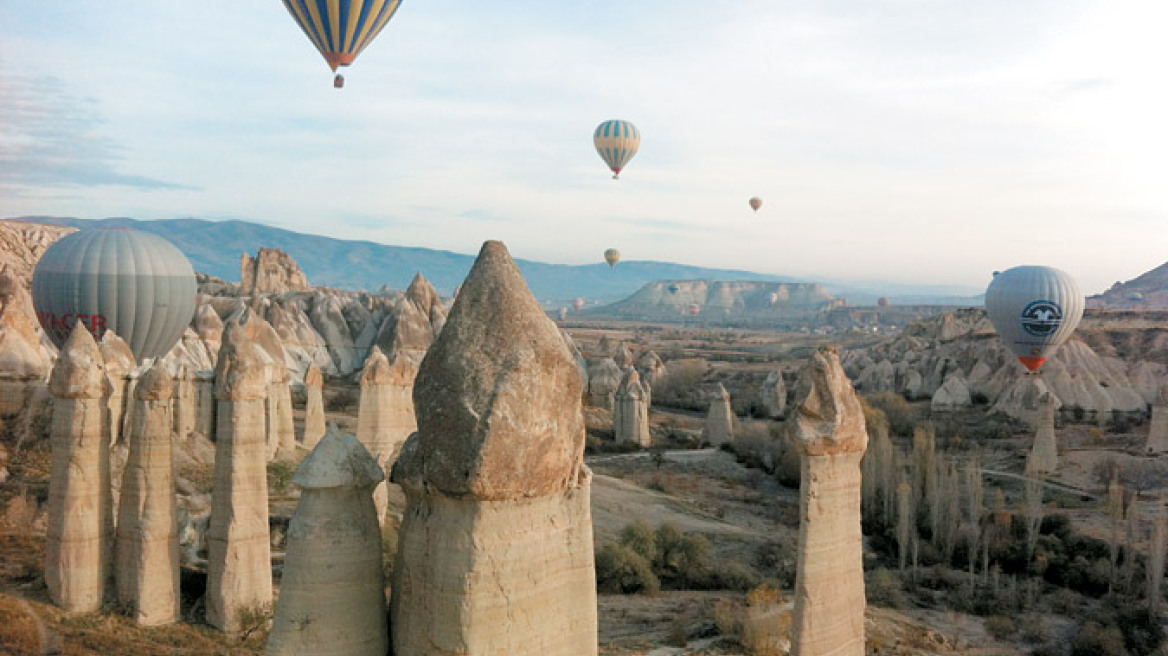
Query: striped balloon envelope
[
  {"x": 131, "y": 282},
  {"x": 341, "y": 29},
  {"x": 616, "y": 141}
]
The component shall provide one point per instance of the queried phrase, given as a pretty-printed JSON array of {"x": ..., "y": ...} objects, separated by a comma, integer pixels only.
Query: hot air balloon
[
  {"x": 341, "y": 29},
  {"x": 578, "y": 304},
  {"x": 1136, "y": 297},
  {"x": 612, "y": 256},
  {"x": 882, "y": 302},
  {"x": 131, "y": 282},
  {"x": 673, "y": 288},
  {"x": 694, "y": 310},
  {"x": 1034, "y": 309},
  {"x": 755, "y": 203},
  {"x": 617, "y": 142}
]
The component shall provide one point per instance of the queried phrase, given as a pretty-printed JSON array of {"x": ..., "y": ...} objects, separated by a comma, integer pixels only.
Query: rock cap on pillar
[
  {"x": 491, "y": 395},
  {"x": 377, "y": 370},
  {"x": 240, "y": 373},
  {"x": 155, "y": 385},
  {"x": 828, "y": 418},
  {"x": 339, "y": 460},
  {"x": 79, "y": 372},
  {"x": 313, "y": 377}
]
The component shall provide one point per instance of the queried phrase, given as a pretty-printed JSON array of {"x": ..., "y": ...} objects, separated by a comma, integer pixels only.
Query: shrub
[
  {"x": 1094, "y": 639},
  {"x": 1034, "y": 629},
  {"x": 896, "y": 410},
  {"x": 346, "y": 398},
  {"x": 681, "y": 557},
  {"x": 733, "y": 576},
  {"x": 621, "y": 570},
  {"x": 680, "y": 387},
  {"x": 280, "y": 474},
  {"x": 776, "y": 559},
  {"x": 640, "y": 538},
  {"x": 884, "y": 589},
  {"x": 1000, "y": 627}
]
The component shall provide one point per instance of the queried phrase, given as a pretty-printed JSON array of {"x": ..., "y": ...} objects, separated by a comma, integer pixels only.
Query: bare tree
[
  {"x": 975, "y": 503},
  {"x": 1156, "y": 556},
  {"x": 1034, "y": 513},
  {"x": 1115, "y": 512},
  {"x": 905, "y": 522}
]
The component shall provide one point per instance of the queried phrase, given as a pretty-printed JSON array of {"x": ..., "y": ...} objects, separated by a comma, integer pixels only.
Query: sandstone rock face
[
  {"x": 651, "y": 368},
  {"x": 271, "y": 271},
  {"x": 314, "y": 424},
  {"x": 1043, "y": 457},
  {"x": 630, "y": 412},
  {"x": 495, "y": 554},
  {"x": 385, "y": 416},
  {"x": 239, "y": 569},
  {"x": 719, "y": 426},
  {"x": 581, "y": 363},
  {"x": 953, "y": 395},
  {"x": 829, "y": 432},
  {"x": 79, "y": 546},
  {"x": 22, "y": 244},
  {"x": 604, "y": 376},
  {"x": 332, "y": 597},
  {"x": 622, "y": 356},
  {"x": 774, "y": 395},
  {"x": 119, "y": 362},
  {"x": 25, "y": 361},
  {"x": 146, "y": 548}
]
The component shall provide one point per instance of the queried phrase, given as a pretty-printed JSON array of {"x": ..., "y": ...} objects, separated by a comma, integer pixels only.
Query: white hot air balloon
[{"x": 1034, "y": 309}]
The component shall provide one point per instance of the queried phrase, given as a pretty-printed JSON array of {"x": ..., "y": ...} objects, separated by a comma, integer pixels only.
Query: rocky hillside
[
  {"x": 1148, "y": 291},
  {"x": 717, "y": 300},
  {"x": 22, "y": 244}
]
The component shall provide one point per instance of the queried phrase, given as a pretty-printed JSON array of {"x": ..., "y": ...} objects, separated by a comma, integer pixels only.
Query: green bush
[
  {"x": 896, "y": 410},
  {"x": 1000, "y": 627},
  {"x": 681, "y": 557},
  {"x": 640, "y": 538},
  {"x": 620, "y": 570},
  {"x": 884, "y": 589},
  {"x": 1094, "y": 639}
]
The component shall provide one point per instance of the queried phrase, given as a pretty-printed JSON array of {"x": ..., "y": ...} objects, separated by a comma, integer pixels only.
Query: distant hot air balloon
[
  {"x": 882, "y": 302},
  {"x": 1136, "y": 297},
  {"x": 612, "y": 256},
  {"x": 341, "y": 29},
  {"x": 616, "y": 141},
  {"x": 755, "y": 203},
  {"x": 1034, "y": 309},
  {"x": 673, "y": 289},
  {"x": 773, "y": 298},
  {"x": 578, "y": 304},
  {"x": 134, "y": 283},
  {"x": 694, "y": 310}
]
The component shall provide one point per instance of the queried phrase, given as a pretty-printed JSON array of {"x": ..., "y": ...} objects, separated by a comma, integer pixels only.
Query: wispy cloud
[{"x": 51, "y": 138}]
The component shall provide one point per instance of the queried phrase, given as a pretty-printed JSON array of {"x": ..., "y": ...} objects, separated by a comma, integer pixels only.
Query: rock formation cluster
[
  {"x": 495, "y": 552},
  {"x": 830, "y": 435},
  {"x": 271, "y": 271},
  {"x": 332, "y": 596}
]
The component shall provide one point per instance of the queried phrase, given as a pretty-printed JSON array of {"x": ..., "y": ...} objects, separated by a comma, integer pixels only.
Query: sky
[{"x": 912, "y": 141}]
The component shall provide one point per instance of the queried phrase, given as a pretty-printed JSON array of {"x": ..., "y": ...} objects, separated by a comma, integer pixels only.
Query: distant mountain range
[{"x": 215, "y": 247}]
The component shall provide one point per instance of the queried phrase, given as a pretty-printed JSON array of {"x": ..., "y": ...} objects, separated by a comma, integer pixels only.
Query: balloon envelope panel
[
  {"x": 341, "y": 29},
  {"x": 617, "y": 142},
  {"x": 1034, "y": 309},
  {"x": 134, "y": 283}
]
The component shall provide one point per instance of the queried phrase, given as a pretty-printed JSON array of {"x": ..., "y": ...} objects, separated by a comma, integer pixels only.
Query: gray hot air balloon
[
  {"x": 134, "y": 283},
  {"x": 1034, "y": 309}
]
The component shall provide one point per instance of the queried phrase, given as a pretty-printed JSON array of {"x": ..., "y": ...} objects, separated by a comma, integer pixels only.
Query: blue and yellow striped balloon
[
  {"x": 617, "y": 142},
  {"x": 341, "y": 29}
]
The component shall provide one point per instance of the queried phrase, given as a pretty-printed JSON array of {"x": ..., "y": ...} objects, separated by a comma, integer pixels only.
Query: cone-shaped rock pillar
[
  {"x": 774, "y": 395},
  {"x": 332, "y": 597},
  {"x": 495, "y": 552},
  {"x": 146, "y": 548},
  {"x": 239, "y": 569},
  {"x": 630, "y": 411},
  {"x": 829, "y": 432},
  {"x": 385, "y": 415},
  {"x": 1043, "y": 458},
  {"x": 719, "y": 427},
  {"x": 314, "y": 425},
  {"x": 78, "y": 552}
]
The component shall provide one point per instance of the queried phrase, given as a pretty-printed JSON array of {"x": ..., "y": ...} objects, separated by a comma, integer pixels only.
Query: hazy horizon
[{"x": 897, "y": 141}]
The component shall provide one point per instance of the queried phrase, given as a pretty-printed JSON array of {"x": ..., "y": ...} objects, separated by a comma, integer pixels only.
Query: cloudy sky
[{"x": 927, "y": 141}]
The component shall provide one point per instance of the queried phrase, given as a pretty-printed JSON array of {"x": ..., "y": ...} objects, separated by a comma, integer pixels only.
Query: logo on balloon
[{"x": 1042, "y": 318}]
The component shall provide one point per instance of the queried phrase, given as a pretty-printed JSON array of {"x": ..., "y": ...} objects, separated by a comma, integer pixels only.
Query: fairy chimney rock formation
[
  {"x": 239, "y": 570},
  {"x": 332, "y": 596},
  {"x": 1158, "y": 430},
  {"x": 146, "y": 547},
  {"x": 829, "y": 432},
  {"x": 719, "y": 426},
  {"x": 622, "y": 356},
  {"x": 774, "y": 395},
  {"x": 314, "y": 424},
  {"x": 426, "y": 298},
  {"x": 119, "y": 362},
  {"x": 651, "y": 368},
  {"x": 630, "y": 412},
  {"x": 1043, "y": 458},
  {"x": 953, "y": 395},
  {"x": 271, "y": 271},
  {"x": 78, "y": 551},
  {"x": 495, "y": 552},
  {"x": 24, "y": 361},
  {"x": 385, "y": 414},
  {"x": 604, "y": 376}
]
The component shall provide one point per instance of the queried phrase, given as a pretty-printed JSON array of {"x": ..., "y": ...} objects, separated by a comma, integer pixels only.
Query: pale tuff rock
[
  {"x": 622, "y": 356},
  {"x": 426, "y": 298},
  {"x": 280, "y": 431},
  {"x": 719, "y": 426},
  {"x": 205, "y": 404},
  {"x": 120, "y": 380},
  {"x": 1043, "y": 457},
  {"x": 79, "y": 546},
  {"x": 328, "y": 320},
  {"x": 239, "y": 574},
  {"x": 271, "y": 271},
  {"x": 651, "y": 368},
  {"x": 1158, "y": 429},
  {"x": 119, "y": 362},
  {"x": 385, "y": 414},
  {"x": 22, "y": 245},
  {"x": 406, "y": 334},
  {"x": 953, "y": 395},
  {"x": 186, "y": 403},
  {"x": 495, "y": 552},
  {"x": 25, "y": 361},
  {"x": 604, "y": 376},
  {"x": 774, "y": 395},
  {"x": 332, "y": 596},
  {"x": 828, "y": 430},
  {"x": 1021, "y": 400},
  {"x": 581, "y": 363},
  {"x": 303, "y": 346},
  {"x": 146, "y": 549},
  {"x": 630, "y": 412},
  {"x": 314, "y": 425},
  {"x": 208, "y": 326}
]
